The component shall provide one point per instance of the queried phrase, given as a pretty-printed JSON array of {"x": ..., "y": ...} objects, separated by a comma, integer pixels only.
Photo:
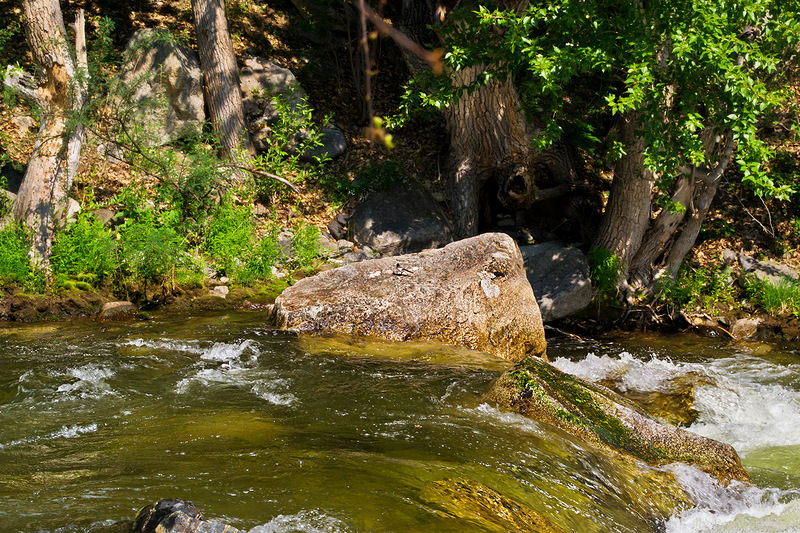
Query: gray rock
[
  {"x": 559, "y": 276},
  {"x": 402, "y": 219},
  {"x": 23, "y": 122},
  {"x": 471, "y": 293},
  {"x": 157, "y": 68},
  {"x": 333, "y": 144},
  {"x": 176, "y": 516},
  {"x": 113, "y": 311},
  {"x": 729, "y": 257},
  {"x": 769, "y": 271},
  {"x": 336, "y": 229},
  {"x": 220, "y": 291},
  {"x": 744, "y": 328},
  {"x": 73, "y": 208}
]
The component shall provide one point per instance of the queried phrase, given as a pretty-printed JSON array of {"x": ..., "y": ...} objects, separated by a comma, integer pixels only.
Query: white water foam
[
  {"x": 736, "y": 508},
  {"x": 736, "y": 404},
  {"x": 229, "y": 353},
  {"x": 740, "y": 401},
  {"x": 171, "y": 345},
  {"x": 90, "y": 381},
  {"x": 66, "y": 432},
  {"x": 312, "y": 521}
]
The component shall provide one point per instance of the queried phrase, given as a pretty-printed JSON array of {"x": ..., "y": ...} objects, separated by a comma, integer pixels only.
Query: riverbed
[{"x": 273, "y": 432}]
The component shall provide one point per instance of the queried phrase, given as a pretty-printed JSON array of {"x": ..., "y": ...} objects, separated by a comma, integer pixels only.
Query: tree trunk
[
  {"x": 488, "y": 137},
  {"x": 627, "y": 213},
  {"x": 221, "y": 79},
  {"x": 42, "y": 201}
]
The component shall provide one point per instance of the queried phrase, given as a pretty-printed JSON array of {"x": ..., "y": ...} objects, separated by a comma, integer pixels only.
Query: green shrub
[
  {"x": 776, "y": 299},
  {"x": 698, "y": 288},
  {"x": 86, "y": 246},
  {"x": 305, "y": 246},
  {"x": 605, "y": 271},
  {"x": 151, "y": 253},
  {"x": 265, "y": 255},
  {"x": 15, "y": 265},
  {"x": 230, "y": 237},
  {"x": 294, "y": 129}
]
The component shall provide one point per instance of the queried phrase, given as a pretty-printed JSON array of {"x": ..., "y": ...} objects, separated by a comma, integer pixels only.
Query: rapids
[{"x": 271, "y": 432}]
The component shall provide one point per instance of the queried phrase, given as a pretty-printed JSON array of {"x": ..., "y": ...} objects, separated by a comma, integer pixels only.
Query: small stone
[
  {"x": 113, "y": 311},
  {"x": 729, "y": 257},
  {"x": 744, "y": 328},
  {"x": 336, "y": 229},
  {"x": 220, "y": 291}
]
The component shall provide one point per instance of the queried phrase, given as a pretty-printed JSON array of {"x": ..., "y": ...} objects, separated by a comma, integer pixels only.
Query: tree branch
[{"x": 23, "y": 83}]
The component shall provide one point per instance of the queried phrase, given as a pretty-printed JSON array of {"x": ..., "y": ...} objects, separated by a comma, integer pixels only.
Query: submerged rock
[
  {"x": 112, "y": 311},
  {"x": 176, "y": 516},
  {"x": 478, "y": 503},
  {"x": 471, "y": 293},
  {"x": 596, "y": 414}
]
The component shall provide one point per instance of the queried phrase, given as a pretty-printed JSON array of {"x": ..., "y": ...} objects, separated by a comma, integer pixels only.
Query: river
[{"x": 271, "y": 432}]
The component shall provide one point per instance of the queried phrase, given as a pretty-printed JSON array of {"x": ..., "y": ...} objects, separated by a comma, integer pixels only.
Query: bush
[
  {"x": 230, "y": 238},
  {"x": 776, "y": 299},
  {"x": 699, "y": 288},
  {"x": 84, "y": 247},
  {"x": 305, "y": 246},
  {"x": 605, "y": 271},
  {"x": 15, "y": 266},
  {"x": 150, "y": 252}
]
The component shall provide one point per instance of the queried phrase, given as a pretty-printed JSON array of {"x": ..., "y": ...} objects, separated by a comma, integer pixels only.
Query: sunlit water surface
[{"x": 270, "y": 432}]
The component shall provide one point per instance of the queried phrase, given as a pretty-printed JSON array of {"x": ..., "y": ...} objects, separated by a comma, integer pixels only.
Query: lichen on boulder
[{"x": 596, "y": 414}]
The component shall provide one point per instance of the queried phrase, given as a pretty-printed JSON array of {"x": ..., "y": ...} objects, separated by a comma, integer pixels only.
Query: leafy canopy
[{"x": 696, "y": 70}]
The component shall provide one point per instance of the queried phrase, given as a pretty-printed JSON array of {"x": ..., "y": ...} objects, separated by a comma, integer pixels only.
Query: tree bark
[
  {"x": 627, "y": 213},
  {"x": 488, "y": 136},
  {"x": 42, "y": 201},
  {"x": 221, "y": 79}
]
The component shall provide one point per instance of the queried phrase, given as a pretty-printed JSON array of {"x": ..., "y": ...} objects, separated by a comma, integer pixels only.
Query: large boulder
[
  {"x": 767, "y": 271},
  {"x": 559, "y": 276},
  {"x": 471, "y": 293},
  {"x": 596, "y": 414},
  {"x": 158, "y": 69},
  {"x": 402, "y": 219}
]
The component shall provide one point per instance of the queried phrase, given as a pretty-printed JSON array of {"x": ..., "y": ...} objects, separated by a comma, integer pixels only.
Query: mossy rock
[{"x": 598, "y": 415}]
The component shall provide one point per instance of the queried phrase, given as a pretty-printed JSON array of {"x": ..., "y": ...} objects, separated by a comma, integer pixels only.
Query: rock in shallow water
[
  {"x": 596, "y": 414},
  {"x": 472, "y": 293}
]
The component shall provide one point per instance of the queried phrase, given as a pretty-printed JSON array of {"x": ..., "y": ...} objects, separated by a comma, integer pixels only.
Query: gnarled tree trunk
[
  {"x": 221, "y": 78},
  {"x": 42, "y": 201}
]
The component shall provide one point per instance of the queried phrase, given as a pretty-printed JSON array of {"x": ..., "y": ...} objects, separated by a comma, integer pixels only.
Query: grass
[{"x": 776, "y": 299}]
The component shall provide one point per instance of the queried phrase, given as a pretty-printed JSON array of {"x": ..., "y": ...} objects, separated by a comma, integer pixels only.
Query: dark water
[{"x": 272, "y": 432}]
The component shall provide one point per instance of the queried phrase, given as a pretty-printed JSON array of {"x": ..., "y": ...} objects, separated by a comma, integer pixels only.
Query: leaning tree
[
  {"x": 684, "y": 84},
  {"x": 59, "y": 95}
]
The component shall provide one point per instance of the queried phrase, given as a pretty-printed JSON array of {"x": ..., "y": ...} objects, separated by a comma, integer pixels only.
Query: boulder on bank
[
  {"x": 471, "y": 293},
  {"x": 594, "y": 413},
  {"x": 158, "y": 69},
  {"x": 559, "y": 276},
  {"x": 402, "y": 219}
]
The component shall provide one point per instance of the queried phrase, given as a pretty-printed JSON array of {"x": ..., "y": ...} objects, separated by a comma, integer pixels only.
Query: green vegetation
[
  {"x": 604, "y": 271},
  {"x": 85, "y": 247},
  {"x": 699, "y": 289},
  {"x": 777, "y": 299},
  {"x": 15, "y": 266}
]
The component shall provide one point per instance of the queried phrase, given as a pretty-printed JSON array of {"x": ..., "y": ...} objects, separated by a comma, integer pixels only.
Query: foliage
[
  {"x": 85, "y": 246},
  {"x": 305, "y": 246},
  {"x": 230, "y": 237},
  {"x": 776, "y": 299},
  {"x": 697, "y": 71},
  {"x": 698, "y": 289},
  {"x": 15, "y": 266},
  {"x": 374, "y": 176},
  {"x": 605, "y": 270},
  {"x": 150, "y": 251},
  {"x": 292, "y": 133}
]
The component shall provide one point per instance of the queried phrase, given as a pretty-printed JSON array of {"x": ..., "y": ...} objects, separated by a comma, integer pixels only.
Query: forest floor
[{"x": 322, "y": 56}]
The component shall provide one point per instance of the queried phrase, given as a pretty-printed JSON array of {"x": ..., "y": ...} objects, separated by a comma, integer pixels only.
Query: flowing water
[{"x": 271, "y": 432}]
